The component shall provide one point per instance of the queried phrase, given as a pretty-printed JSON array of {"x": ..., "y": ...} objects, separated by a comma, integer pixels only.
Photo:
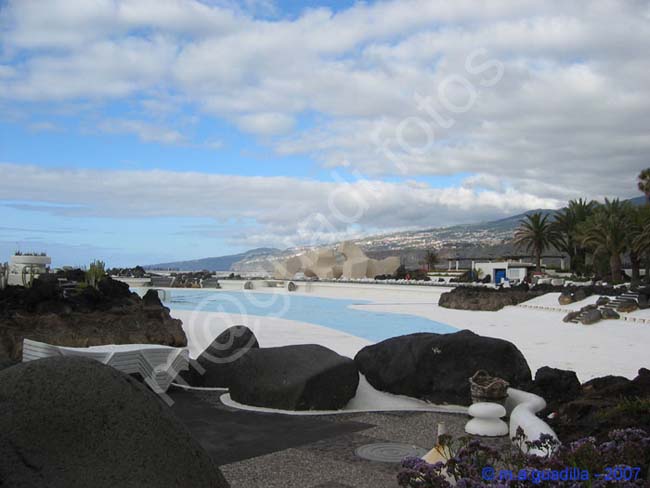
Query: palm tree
[
  {"x": 644, "y": 184},
  {"x": 566, "y": 224},
  {"x": 607, "y": 232},
  {"x": 431, "y": 259},
  {"x": 640, "y": 245},
  {"x": 536, "y": 233}
]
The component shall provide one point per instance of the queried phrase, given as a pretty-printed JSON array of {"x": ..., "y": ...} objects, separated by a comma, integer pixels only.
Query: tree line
[{"x": 595, "y": 236}]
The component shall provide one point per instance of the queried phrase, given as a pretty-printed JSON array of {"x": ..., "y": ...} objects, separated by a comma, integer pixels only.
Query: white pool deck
[{"x": 613, "y": 347}]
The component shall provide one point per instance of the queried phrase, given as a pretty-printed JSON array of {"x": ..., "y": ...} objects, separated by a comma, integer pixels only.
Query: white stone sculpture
[{"x": 487, "y": 420}]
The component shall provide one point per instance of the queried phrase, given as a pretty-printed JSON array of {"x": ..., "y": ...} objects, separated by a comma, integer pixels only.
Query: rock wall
[
  {"x": 486, "y": 299},
  {"x": 83, "y": 316},
  {"x": 491, "y": 299}
]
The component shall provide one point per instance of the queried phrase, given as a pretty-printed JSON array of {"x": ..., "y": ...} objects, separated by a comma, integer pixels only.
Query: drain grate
[{"x": 389, "y": 452}]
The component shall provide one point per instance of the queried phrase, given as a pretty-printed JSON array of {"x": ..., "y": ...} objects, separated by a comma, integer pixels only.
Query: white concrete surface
[
  {"x": 609, "y": 347},
  {"x": 202, "y": 328}
]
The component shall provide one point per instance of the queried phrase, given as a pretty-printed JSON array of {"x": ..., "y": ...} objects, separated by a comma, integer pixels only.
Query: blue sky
[{"x": 140, "y": 131}]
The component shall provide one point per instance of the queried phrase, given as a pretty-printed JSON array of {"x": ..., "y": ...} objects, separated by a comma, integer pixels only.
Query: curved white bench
[
  {"x": 522, "y": 407},
  {"x": 158, "y": 365}
]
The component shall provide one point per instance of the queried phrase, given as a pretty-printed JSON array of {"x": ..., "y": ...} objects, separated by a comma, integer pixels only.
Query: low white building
[
  {"x": 504, "y": 271},
  {"x": 25, "y": 267}
]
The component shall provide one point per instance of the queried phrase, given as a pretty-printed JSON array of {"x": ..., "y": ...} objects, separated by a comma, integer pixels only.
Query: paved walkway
[{"x": 269, "y": 450}]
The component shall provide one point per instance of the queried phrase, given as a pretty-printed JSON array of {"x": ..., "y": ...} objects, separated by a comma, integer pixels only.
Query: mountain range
[{"x": 480, "y": 240}]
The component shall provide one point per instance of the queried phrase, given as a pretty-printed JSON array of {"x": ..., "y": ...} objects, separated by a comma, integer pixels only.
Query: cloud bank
[{"x": 366, "y": 89}]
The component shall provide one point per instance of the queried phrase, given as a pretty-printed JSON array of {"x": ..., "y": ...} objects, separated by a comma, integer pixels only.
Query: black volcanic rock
[
  {"x": 609, "y": 314},
  {"x": 437, "y": 367},
  {"x": 557, "y": 385},
  {"x": 487, "y": 299},
  {"x": 301, "y": 377},
  {"x": 75, "y": 422},
  {"x": 571, "y": 316},
  {"x": 591, "y": 316},
  {"x": 85, "y": 316},
  {"x": 114, "y": 289},
  {"x": 605, "y": 404},
  {"x": 217, "y": 364},
  {"x": 491, "y": 300}
]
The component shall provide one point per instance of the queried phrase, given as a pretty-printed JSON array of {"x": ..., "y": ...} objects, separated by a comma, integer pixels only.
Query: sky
[{"x": 144, "y": 131}]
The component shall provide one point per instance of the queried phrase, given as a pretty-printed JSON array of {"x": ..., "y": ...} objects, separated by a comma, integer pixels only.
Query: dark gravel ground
[{"x": 271, "y": 450}]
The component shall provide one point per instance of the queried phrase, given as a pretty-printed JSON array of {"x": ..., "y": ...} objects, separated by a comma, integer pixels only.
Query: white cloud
[
  {"x": 285, "y": 210},
  {"x": 144, "y": 131},
  {"x": 266, "y": 124},
  {"x": 569, "y": 115}
]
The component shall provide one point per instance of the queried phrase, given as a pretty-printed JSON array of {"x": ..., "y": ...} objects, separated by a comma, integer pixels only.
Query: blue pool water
[{"x": 328, "y": 312}]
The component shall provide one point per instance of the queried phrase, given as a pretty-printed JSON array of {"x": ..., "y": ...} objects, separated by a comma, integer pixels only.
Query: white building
[
  {"x": 25, "y": 267},
  {"x": 504, "y": 271}
]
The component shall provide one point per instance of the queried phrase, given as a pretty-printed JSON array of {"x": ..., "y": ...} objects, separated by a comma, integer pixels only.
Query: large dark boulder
[
  {"x": 487, "y": 299},
  {"x": 565, "y": 298},
  {"x": 215, "y": 366},
  {"x": 571, "y": 316},
  {"x": 301, "y": 377},
  {"x": 627, "y": 306},
  {"x": 605, "y": 404},
  {"x": 581, "y": 294},
  {"x": 602, "y": 301},
  {"x": 557, "y": 385},
  {"x": 6, "y": 363},
  {"x": 591, "y": 316},
  {"x": 437, "y": 367},
  {"x": 114, "y": 289},
  {"x": 604, "y": 384},
  {"x": 75, "y": 422},
  {"x": 609, "y": 314}
]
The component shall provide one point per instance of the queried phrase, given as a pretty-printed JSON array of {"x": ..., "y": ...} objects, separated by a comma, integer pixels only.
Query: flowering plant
[{"x": 626, "y": 451}]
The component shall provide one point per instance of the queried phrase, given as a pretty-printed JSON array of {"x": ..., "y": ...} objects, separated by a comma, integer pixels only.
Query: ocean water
[{"x": 327, "y": 312}]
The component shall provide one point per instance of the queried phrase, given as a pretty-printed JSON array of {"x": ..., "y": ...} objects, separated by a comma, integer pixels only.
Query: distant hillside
[
  {"x": 480, "y": 240},
  {"x": 222, "y": 263},
  {"x": 637, "y": 201}
]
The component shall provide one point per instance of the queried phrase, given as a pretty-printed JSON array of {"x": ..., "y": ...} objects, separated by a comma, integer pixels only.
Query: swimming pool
[{"x": 328, "y": 312}]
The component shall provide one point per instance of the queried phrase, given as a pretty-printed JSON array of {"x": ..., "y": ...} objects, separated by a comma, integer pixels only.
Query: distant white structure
[
  {"x": 504, "y": 271},
  {"x": 23, "y": 268},
  {"x": 348, "y": 262}
]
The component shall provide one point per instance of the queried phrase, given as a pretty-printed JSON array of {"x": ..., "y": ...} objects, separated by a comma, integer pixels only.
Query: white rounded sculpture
[{"x": 487, "y": 420}]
